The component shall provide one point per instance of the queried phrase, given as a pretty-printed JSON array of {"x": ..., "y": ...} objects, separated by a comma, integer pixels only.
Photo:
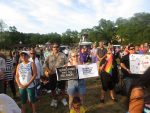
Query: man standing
[
  {"x": 125, "y": 67},
  {"x": 54, "y": 60},
  {"x": 101, "y": 52}
]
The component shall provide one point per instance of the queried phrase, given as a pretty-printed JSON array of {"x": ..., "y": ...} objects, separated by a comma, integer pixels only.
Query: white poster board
[
  {"x": 139, "y": 63},
  {"x": 88, "y": 71}
]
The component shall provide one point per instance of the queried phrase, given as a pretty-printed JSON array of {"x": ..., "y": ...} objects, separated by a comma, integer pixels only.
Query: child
[
  {"x": 77, "y": 106},
  {"x": 45, "y": 81}
]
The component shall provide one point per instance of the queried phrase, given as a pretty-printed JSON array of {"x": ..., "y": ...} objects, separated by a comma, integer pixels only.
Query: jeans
[{"x": 128, "y": 82}]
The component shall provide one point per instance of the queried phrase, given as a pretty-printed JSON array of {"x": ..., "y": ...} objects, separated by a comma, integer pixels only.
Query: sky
[{"x": 46, "y": 16}]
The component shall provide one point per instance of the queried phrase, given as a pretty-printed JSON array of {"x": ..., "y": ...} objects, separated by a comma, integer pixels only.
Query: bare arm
[
  {"x": 124, "y": 67},
  {"x": 136, "y": 101},
  {"x": 17, "y": 77}
]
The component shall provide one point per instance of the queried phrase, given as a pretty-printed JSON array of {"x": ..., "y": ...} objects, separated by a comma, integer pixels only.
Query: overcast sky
[{"x": 46, "y": 16}]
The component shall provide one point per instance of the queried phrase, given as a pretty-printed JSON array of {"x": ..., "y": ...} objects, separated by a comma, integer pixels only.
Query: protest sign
[
  {"x": 67, "y": 73},
  {"x": 87, "y": 71},
  {"x": 139, "y": 63}
]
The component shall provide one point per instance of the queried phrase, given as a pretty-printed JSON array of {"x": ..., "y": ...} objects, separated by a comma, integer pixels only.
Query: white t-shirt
[
  {"x": 8, "y": 105},
  {"x": 38, "y": 67}
]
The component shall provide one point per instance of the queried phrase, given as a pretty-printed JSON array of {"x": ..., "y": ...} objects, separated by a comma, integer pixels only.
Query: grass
[{"x": 91, "y": 103}]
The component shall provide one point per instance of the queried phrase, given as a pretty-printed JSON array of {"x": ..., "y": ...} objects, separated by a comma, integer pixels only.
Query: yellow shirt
[{"x": 82, "y": 110}]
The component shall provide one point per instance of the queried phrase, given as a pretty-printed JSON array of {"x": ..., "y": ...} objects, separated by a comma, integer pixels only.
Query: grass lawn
[{"x": 91, "y": 103}]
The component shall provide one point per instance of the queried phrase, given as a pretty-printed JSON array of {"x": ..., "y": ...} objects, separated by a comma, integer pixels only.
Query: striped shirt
[{"x": 9, "y": 69}]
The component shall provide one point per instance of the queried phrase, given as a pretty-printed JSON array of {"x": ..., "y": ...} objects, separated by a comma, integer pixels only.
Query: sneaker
[
  {"x": 38, "y": 87},
  {"x": 54, "y": 103},
  {"x": 49, "y": 91},
  {"x": 64, "y": 101}
]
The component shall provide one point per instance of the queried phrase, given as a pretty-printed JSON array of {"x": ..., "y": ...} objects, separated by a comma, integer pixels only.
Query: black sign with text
[{"x": 67, "y": 73}]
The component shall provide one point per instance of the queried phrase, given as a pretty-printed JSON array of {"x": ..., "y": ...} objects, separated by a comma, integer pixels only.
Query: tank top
[{"x": 25, "y": 74}]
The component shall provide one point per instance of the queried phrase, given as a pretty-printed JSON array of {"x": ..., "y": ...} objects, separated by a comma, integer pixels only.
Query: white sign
[
  {"x": 139, "y": 63},
  {"x": 87, "y": 71}
]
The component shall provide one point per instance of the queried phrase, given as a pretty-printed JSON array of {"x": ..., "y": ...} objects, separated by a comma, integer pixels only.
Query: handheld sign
[
  {"x": 139, "y": 63},
  {"x": 66, "y": 73},
  {"x": 88, "y": 71}
]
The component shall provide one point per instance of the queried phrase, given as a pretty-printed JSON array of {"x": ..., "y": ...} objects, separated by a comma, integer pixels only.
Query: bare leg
[
  {"x": 70, "y": 101},
  {"x": 23, "y": 108},
  {"x": 81, "y": 98},
  {"x": 102, "y": 94},
  {"x": 33, "y": 108},
  {"x": 112, "y": 95}
]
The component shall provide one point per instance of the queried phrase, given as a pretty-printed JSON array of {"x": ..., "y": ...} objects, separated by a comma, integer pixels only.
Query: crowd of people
[{"x": 34, "y": 72}]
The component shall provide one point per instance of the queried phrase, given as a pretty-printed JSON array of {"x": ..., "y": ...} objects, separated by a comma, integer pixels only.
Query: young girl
[
  {"x": 75, "y": 87},
  {"x": 77, "y": 106}
]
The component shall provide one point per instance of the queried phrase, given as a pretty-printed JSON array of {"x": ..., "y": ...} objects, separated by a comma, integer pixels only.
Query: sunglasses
[
  {"x": 75, "y": 56},
  {"x": 132, "y": 49}
]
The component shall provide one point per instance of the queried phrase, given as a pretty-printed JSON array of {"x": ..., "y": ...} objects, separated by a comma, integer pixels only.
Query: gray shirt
[
  {"x": 101, "y": 52},
  {"x": 55, "y": 61}
]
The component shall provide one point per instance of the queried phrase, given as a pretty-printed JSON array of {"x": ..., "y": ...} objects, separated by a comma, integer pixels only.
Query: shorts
[
  {"x": 54, "y": 83},
  {"x": 76, "y": 87},
  {"x": 27, "y": 92}
]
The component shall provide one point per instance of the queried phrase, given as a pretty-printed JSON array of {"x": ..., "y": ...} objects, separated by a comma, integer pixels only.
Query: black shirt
[{"x": 125, "y": 60}]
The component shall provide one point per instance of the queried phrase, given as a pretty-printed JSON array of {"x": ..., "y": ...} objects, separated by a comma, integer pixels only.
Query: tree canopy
[{"x": 132, "y": 30}]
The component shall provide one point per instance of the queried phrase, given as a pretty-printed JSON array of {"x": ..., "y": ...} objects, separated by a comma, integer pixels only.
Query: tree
[{"x": 12, "y": 29}]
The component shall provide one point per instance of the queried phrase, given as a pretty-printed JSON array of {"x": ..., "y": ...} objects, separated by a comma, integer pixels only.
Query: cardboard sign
[
  {"x": 88, "y": 71},
  {"x": 67, "y": 73},
  {"x": 139, "y": 63}
]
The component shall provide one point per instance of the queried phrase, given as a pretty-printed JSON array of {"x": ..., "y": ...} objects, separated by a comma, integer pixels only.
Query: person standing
[
  {"x": 93, "y": 53},
  {"x": 125, "y": 67},
  {"x": 34, "y": 59},
  {"x": 2, "y": 72},
  {"x": 25, "y": 75},
  {"x": 75, "y": 87},
  {"x": 108, "y": 75},
  {"x": 54, "y": 60},
  {"x": 9, "y": 75},
  {"x": 101, "y": 52},
  {"x": 83, "y": 55},
  {"x": 46, "y": 53}
]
